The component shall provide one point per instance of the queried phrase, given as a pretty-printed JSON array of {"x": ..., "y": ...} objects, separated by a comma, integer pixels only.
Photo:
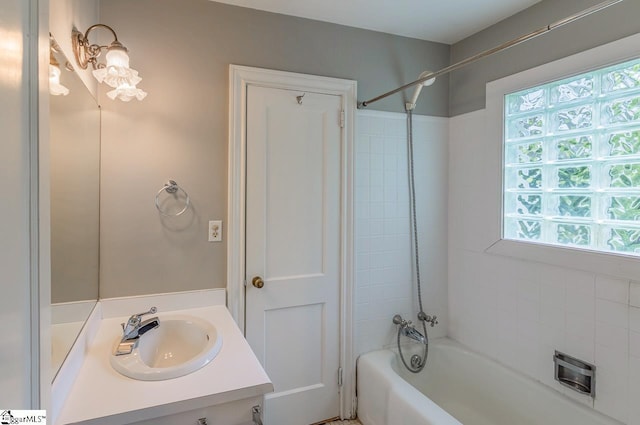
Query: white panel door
[{"x": 293, "y": 245}]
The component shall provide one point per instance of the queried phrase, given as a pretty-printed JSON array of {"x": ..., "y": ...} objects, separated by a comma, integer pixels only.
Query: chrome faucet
[
  {"x": 407, "y": 329},
  {"x": 134, "y": 329},
  {"x": 411, "y": 332}
]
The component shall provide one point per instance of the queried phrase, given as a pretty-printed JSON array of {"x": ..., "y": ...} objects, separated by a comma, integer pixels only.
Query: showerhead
[{"x": 409, "y": 106}]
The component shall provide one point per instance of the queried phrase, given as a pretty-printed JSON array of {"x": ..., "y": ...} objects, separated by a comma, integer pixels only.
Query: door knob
[{"x": 257, "y": 282}]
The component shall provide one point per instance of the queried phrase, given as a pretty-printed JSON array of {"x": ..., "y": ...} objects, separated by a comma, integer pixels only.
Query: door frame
[{"x": 240, "y": 77}]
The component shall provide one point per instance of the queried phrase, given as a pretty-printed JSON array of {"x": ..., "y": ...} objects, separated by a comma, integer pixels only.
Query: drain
[{"x": 416, "y": 361}]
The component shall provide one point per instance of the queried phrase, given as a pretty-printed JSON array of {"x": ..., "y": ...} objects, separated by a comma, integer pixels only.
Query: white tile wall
[
  {"x": 383, "y": 246},
  {"x": 519, "y": 312},
  {"x": 634, "y": 294}
]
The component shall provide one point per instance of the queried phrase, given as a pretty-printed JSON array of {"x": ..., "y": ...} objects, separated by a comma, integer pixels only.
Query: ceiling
[{"x": 444, "y": 21}]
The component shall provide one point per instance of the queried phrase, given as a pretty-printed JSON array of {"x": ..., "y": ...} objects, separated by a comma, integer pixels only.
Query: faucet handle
[
  {"x": 398, "y": 320},
  {"x": 432, "y": 320},
  {"x": 152, "y": 310},
  {"x": 135, "y": 319}
]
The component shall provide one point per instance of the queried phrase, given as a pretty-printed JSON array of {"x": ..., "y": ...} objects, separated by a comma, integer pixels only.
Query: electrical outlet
[{"x": 215, "y": 231}]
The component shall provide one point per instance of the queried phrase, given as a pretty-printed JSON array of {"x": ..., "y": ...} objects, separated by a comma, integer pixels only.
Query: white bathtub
[{"x": 459, "y": 386}]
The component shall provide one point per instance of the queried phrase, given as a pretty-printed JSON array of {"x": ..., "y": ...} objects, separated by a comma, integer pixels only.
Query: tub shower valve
[
  {"x": 398, "y": 320},
  {"x": 432, "y": 320}
]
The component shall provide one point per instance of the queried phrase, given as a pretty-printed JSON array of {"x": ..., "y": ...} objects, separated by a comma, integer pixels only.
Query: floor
[{"x": 348, "y": 422}]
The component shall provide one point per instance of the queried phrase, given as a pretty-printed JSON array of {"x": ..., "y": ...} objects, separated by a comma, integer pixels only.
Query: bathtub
[{"x": 460, "y": 387}]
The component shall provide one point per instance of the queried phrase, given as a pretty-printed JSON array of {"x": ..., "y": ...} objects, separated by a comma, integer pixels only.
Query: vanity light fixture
[
  {"x": 55, "y": 88},
  {"x": 116, "y": 72}
]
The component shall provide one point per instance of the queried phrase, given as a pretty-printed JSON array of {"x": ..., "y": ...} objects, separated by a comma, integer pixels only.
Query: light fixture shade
[
  {"x": 127, "y": 92},
  {"x": 55, "y": 88},
  {"x": 117, "y": 71},
  {"x": 117, "y": 56}
]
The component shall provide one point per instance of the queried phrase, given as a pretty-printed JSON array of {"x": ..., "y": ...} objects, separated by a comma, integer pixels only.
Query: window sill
[{"x": 609, "y": 264}]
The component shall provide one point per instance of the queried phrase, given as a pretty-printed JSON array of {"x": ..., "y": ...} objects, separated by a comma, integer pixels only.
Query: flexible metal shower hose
[{"x": 414, "y": 228}]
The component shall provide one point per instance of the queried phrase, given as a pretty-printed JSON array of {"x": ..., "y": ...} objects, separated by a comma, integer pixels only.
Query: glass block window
[{"x": 572, "y": 161}]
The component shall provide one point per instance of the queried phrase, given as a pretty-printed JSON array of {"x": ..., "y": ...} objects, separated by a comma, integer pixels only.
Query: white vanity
[{"x": 224, "y": 391}]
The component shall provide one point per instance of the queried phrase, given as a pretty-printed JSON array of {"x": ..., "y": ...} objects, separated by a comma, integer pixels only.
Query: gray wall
[
  {"x": 180, "y": 131},
  {"x": 467, "y": 91}
]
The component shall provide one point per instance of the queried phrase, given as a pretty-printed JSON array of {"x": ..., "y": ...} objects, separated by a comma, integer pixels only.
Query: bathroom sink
[{"x": 178, "y": 347}]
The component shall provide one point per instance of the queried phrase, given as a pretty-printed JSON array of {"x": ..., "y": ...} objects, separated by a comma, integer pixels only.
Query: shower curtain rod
[{"x": 497, "y": 49}]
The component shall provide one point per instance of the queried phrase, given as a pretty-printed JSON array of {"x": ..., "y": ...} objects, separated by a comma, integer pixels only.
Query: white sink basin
[{"x": 179, "y": 346}]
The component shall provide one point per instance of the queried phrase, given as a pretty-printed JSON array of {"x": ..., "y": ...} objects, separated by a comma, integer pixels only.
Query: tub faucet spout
[
  {"x": 411, "y": 332},
  {"x": 407, "y": 329}
]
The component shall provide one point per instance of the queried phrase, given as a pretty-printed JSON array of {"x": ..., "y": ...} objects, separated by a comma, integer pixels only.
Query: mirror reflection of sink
[{"x": 178, "y": 347}]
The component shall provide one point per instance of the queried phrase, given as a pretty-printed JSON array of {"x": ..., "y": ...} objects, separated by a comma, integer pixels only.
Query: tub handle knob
[
  {"x": 432, "y": 320},
  {"x": 397, "y": 319}
]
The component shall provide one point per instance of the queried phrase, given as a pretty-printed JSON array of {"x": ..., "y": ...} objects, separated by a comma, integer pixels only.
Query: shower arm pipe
[{"x": 594, "y": 9}]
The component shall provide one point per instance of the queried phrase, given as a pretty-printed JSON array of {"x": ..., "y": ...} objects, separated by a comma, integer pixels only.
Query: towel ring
[{"x": 172, "y": 188}]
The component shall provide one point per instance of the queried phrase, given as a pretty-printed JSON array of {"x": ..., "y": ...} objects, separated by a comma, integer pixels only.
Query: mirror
[{"x": 75, "y": 202}]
